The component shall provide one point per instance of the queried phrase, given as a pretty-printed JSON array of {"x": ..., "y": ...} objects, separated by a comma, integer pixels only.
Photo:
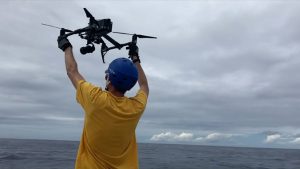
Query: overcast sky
[{"x": 220, "y": 73}]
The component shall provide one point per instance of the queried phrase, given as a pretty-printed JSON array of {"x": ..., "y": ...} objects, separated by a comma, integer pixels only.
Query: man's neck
[{"x": 115, "y": 92}]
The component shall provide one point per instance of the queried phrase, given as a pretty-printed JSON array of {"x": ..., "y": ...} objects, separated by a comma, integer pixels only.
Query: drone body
[{"x": 94, "y": 32}]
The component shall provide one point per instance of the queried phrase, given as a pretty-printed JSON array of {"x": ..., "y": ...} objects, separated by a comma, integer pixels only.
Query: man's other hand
[{"x": 63, "y": 42}]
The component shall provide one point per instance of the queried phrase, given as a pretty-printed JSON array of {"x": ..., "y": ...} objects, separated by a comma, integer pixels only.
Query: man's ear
[{"x": 107, "y": 83}]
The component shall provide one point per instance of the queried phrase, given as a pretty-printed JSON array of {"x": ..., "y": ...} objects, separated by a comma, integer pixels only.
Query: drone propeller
[
  {"x": 137, "y": 35},
  {"x": 66, "y": 30},
  {"x": 88, "y": 14}
]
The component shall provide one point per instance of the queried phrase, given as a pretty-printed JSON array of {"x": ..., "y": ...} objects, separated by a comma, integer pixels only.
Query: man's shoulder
[
  {"x": 140, "y": 98},
  {"x": 87, "y": 92}
]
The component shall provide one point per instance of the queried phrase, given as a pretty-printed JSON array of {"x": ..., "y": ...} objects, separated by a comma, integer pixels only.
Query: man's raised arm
[
  {"x": 142, "y": 79},
  {"x": 71, "y": 65}
]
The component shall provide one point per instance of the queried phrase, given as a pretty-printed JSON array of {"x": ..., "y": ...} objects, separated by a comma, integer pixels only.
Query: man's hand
[
  {"x": 133, "y": 50},
  {"x": 134, "y": 53},
  {"x": 63, "y": 42}
]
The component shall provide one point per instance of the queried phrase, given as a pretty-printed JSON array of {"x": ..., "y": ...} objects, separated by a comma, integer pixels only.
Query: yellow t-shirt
[{"x": 108, "y": 140}]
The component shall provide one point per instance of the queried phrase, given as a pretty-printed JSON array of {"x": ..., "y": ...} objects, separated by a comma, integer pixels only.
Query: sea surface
[{"x": 45, "y": 154}]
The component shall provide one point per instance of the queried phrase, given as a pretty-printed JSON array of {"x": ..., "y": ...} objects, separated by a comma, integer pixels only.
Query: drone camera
[{"x": 87, "y": 49}]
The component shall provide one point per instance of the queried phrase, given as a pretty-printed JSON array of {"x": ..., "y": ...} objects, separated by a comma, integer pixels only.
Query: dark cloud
[{"x": 223, "y": 67}]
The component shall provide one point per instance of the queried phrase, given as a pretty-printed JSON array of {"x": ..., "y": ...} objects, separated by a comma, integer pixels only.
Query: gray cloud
[{"x": 216, "y": 67}]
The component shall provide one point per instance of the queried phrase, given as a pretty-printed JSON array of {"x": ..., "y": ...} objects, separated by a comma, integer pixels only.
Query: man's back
[{"x": 108, "y": 139}]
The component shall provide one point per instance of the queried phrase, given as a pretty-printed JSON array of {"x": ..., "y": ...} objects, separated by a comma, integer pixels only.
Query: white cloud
[
  {"x": 185, "y": 136},
  {"x": 214, "y": 137},
  {"x": 272, "y": 138},
  {"x": 296, "y": 140},
  {"x": 199, "y": 139},
  {"x": 169, "y": 136},
  {"x": 217, "y": 136}
]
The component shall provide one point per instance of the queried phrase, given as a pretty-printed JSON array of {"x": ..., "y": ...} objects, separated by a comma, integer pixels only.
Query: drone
[{"x": 94, "y": 34}]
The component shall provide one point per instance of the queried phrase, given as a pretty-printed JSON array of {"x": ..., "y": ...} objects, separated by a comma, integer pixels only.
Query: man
[{"x": 108, "y": 140}]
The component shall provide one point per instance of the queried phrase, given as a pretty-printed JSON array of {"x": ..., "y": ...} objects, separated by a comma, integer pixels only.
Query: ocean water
[{"x": 45, "y": 154}]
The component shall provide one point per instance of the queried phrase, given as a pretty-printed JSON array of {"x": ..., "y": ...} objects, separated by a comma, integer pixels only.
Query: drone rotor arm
[
  {"x": 77, "y": 31},
  {"x": 111, "y": 40}
]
